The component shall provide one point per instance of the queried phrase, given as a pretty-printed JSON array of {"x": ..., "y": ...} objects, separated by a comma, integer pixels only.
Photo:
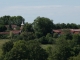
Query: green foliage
[
  {"x": 27, "y": 27},
  {"x": 7, "y": 47},
  {"x": 63, "y": 50},
  {"x": 2, "y": 28},
  {"x": 11, "y": 35},
  {"x": 4, "y": 20},
  {"x": 36, "y": 52},
  {"x": 2, "y": 36},
  {"x": 75, "y": 57},
  {"x": 43, "y": 40},
  {"x": 49, "y": 38},
  {"x": 42, "y": 26},
  {"x": 58, "y": 26},
  {"x": 66, "y": 26},
  {"x": 27, "y": 36},
  {"x": 76, "y": 38},
  {"x": 19, "y": 20},
  {"x": 66, "y": 34},
  {"x": 23, "y": 50},
  {"x": 46, "y": 40},
  {"x": 18, "y": 52},
  {"x": 13, "y": 20},
  {"x": 50, "y": 53},
  {"x": 55, "y": 35},
  {"x": 76, "y": 50}
]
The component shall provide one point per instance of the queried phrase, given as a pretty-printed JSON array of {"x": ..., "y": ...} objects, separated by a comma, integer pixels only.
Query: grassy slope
[{"x": 2, "y": 41}]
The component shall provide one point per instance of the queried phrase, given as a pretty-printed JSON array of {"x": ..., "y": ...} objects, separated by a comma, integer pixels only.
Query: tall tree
[
  {"x": 62, "y": 51},
  {"x": 36, "y": 52},
  {"x": 42, "y": 26}
]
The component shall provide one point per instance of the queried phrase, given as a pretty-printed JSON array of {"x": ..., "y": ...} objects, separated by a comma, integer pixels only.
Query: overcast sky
[{"x": 60, "y": 11}]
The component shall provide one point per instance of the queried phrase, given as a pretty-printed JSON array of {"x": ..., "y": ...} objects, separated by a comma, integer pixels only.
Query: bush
[
  {"x": 2, "y": 36},
  {"x": 7, "y": 47},
  {"x": 49, "y": 38},
  {"x": 43, "y": 40}
]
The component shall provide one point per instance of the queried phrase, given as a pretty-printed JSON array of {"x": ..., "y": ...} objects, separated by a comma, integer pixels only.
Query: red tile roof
[
  {"x": 57, "y": 31},
  {"x": 4, "y": 32},
  {"x": 14, "y": 32},
  {"x": 76, "y": 31}
]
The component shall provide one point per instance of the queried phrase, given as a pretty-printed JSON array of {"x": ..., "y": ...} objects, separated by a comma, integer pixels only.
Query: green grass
[{"x": 2, "y": 41}]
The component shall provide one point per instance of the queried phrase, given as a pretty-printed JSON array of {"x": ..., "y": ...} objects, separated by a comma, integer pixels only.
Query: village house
[
  {"x": 72, "y": 31},
  {"x": 14, "y": 29}
]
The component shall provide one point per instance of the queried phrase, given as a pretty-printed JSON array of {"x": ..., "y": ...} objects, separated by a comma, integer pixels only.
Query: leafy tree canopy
[{"x": 42, "y": 26}]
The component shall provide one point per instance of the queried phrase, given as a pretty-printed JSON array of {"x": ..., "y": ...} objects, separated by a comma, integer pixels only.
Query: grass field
[{"x": 2, "y": 41}]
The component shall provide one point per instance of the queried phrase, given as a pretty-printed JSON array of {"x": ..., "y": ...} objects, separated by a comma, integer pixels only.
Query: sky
[{"x": 60, "y": 11}]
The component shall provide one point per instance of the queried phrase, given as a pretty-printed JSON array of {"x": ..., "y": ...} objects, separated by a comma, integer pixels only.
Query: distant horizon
[{"x": 60, "y": 11}]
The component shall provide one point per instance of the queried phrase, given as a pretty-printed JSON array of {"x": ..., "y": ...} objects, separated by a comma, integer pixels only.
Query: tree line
[
  {"x": 17, "y": 20},
  {"x": 66, "y": 26},
  {"x": 10, "y": 20},
  {"x": 14, "y": 20}
]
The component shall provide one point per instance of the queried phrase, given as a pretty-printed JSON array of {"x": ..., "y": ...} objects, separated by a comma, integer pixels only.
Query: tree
[
  {"x": 63, "y": 26},
  {"x": 75, "y": 57},
  {"x": 58, "y": 26},
  {"x": 27, "y": 36},
  {"x": 55, "y": 35},
  {"x": 2, "y": 28},
  {"x": 69, "y": 26},
  {"x": 62, "y": 50},
  {"x": 42, "y": 26},
  {"x": 4, "y": 20},
  {"x": 66, "y": 34},
  {"x": 27, "y": 27},
  {"x": 76, "y": 39},
  {"x": 49, "y": 38},
  {"x": 13, "y": 20},
  {"x": 36, "y": 52},
  {"x": 19, "y": 20},
  {"x": 74, "y": 26},
  {"x": 7, "y": 47},
  {"x": 43, "y": 40},
  {"x": 18, "y": 52}
]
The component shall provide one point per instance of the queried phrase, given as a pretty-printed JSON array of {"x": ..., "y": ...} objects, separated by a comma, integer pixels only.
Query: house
[
  {"x": 72, "y": 31},
  {"x": 14, "y": 29},
  {"x": 14, "y": 32},
  {"x": 75, "y": 31},
  {"x": 57, "y": 31}
]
